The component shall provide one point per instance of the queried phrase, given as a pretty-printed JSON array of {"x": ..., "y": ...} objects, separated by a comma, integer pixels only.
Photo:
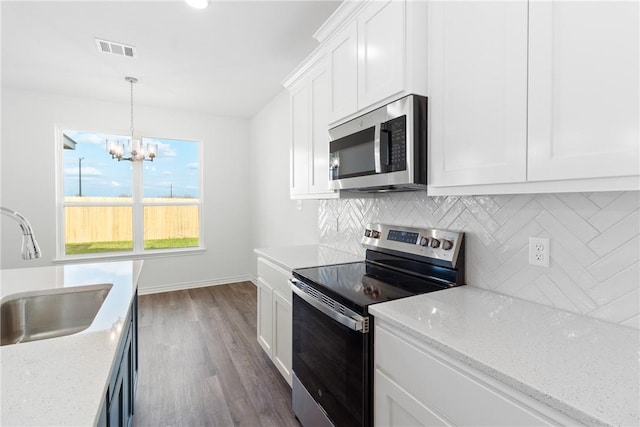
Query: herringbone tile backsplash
[{"x": 594, "y": 243}]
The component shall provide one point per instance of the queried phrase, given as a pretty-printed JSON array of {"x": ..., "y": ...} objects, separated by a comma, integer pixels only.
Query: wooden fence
[{"x": 85, "y": 224}]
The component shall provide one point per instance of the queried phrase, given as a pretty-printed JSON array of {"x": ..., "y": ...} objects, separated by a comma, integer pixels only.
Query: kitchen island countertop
[
  {"x": 580, "y": 366},
  {"x": 63, "y": 381}
]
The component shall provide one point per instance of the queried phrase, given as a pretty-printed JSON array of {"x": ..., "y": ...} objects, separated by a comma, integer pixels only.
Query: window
[{"x": 109, "y": 206}]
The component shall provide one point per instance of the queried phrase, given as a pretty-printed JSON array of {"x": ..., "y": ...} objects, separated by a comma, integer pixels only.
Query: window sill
[{"x": 130, "y": 255}]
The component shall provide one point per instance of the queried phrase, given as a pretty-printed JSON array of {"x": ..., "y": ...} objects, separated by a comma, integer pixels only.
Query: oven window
[{"x": 331, "y": 362}]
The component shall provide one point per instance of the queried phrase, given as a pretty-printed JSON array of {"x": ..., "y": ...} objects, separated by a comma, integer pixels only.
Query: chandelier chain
[{"x": 131, "y": 81}]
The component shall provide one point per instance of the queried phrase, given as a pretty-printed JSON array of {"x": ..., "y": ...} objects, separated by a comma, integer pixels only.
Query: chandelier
[{"x": 137, "y": 153}]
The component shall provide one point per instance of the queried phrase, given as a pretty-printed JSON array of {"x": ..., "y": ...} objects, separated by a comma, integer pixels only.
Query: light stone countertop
[
  {"x": 292, "y": 257},
  {"x": 63, "y": 381},
  {"x": 580, "y": 366}
]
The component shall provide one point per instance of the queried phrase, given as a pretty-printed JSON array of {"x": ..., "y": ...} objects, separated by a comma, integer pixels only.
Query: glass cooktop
[{"x": 359, "y": 284}]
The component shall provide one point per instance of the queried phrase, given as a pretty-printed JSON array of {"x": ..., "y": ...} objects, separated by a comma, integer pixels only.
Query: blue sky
[{"x": 174, "y": 170}]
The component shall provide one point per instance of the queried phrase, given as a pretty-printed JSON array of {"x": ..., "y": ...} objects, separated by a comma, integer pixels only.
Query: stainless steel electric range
[{"x": 333, "y": 331}]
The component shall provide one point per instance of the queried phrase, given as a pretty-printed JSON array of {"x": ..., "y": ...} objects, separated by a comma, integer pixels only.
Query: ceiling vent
[{"x": 115, "y": 48}]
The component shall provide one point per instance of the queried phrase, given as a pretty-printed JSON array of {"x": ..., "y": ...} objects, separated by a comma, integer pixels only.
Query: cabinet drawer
[
  {"x": 276, "y": 277},
  {"x": 457, "y": 395}
]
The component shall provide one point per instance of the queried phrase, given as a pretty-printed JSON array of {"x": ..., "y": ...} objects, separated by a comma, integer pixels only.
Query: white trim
[
  {"x": 309, "y": 62},
  {"x": 342, "y": 16},
  {"x": 117, "y": 256},
  {"x": 626, "y": 183},
  {"x": 191, "y": 285}
]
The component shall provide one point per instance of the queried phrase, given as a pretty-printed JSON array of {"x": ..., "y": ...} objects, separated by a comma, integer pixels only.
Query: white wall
[
  {"x": 28, "y": 175},
  {"x": 275, "y": 219}
]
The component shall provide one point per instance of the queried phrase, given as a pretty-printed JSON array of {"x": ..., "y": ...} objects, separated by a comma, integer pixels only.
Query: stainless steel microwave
[{"x": 383, "y": 150}]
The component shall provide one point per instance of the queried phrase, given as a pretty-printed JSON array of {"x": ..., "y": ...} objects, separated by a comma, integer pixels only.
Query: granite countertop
[
  {"x": 580, "y": 366},
  {"x": 63, "y": 381},
  {"x": 292, "y": 257}
]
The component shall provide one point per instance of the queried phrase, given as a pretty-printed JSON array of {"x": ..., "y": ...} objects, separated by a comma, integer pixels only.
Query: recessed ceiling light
[{"x": 198, "y": 4}]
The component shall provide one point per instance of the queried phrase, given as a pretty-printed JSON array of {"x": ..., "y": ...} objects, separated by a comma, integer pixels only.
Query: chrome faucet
[{"x": 30, "y": 248}]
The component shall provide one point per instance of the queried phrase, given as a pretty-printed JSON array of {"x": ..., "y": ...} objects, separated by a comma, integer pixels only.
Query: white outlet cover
[{"x": 539, "y": 251}]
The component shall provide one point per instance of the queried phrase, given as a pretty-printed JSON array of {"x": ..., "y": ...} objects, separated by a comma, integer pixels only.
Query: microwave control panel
[{"x": 396, "y": 131}]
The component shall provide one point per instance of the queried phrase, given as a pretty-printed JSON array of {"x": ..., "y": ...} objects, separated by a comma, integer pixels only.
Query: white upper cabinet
[
  {"x": 309, "y": 133},
  {"x": 538, "y": 96},
  {"x": 343, "y": 65},
  {"x": 318, "y": 83},
  {"x": 478, "y": 92},
  {"x": 299, "y": 139},
  {"x": 583, "y": 89},
  {"x": 381, "y": 51},
  {"x": 377, "y": 56}
]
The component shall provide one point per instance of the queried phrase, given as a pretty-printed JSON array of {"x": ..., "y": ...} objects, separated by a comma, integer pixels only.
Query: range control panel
[{"x": 427, "y": 242}]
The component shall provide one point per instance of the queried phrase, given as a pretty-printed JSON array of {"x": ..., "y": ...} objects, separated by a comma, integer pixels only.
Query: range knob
[
  {"x": 447, "y": 244},
  {"x": 367, "y": 233},
  {"x": 424, "y": 241},
  {"x": 375, "y": 234},
  {"x": 435, "y": 243}
]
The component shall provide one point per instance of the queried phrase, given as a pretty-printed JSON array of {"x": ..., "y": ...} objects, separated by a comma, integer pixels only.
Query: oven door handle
[{"x": 359, "y": 324}]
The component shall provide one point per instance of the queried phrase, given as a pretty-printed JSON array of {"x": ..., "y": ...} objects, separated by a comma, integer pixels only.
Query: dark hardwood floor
[{"x": 201, "y": 365}]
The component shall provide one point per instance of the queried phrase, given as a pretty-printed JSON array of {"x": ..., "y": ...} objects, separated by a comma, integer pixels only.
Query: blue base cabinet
[{"x": 118, "y": 408}]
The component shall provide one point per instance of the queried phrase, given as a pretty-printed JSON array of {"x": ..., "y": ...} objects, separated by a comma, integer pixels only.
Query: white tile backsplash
[{"x": 594, "y": 237}]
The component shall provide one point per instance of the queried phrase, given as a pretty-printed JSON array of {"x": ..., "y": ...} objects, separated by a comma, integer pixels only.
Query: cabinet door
[
  {"x": 120, "y": 408},
  {"x": 134, "y": 350},
  {"x": 283, "y": 335},
  {"x": 299, "y": 139},
  {"x": 343, "y": 71},
  {"x": 127, "y": 382},
  {"x": 381, "y": 51},
  {"x": 319, "y": 149},
  {"x": 477, "y": 92},
  {"x": 265, "y": 316},
  {"x": 103, "y": 418},
  {"x": 393, "y": 406},
  {"x": 116, "y": 416},
  {"x": 583, "y": 90}
]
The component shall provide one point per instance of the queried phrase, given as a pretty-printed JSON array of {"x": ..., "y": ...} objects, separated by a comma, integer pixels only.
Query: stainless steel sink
[{"x": 40, "y": 315}]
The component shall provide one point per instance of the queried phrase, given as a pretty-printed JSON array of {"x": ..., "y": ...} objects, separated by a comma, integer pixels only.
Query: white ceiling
[{"x": 228, "y": 59}]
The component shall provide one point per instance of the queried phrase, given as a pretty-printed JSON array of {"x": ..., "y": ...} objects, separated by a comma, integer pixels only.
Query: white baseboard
[{"x": 192, "y": 285}]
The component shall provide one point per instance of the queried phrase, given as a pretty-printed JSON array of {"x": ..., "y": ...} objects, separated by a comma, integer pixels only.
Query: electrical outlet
[
  {"x": 299, "y": 205},
  {"x": 539, "y": 251}
]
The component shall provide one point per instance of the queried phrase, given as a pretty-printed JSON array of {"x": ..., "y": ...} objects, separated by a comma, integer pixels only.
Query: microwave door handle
[
  {"x": 385, "y": 155},
  {"x": 376, "y": 148},
  {"x": 381, "y": 149}
]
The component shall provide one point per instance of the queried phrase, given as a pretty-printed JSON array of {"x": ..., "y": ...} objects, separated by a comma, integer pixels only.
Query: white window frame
[{"x": 137, "y": 204}]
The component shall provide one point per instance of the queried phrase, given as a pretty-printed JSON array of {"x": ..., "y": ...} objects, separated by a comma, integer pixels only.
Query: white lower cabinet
[
  {"x": 274, "y": 315},
  {"x": 394, "y": 406},
  {"x": 418, "y": 385},
  {"x": 265, "y": 317},
  {"x": 282, "y": 335}
]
